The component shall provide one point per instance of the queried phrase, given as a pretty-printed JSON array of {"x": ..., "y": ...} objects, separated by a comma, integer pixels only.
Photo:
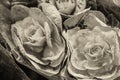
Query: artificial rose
[
  {"x": 41, "y": 45},
  {"x": 95, "y": 54}
]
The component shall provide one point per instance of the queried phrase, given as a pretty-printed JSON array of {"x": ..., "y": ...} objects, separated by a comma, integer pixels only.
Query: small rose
[
  {"x": 95, "y": 54},
  {"x": 41, "y": 45}
]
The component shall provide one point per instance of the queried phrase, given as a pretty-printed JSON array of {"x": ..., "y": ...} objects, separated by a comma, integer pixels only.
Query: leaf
[
  {"x": 92, "y": 21},
  {"x": 75, "y": 19}
]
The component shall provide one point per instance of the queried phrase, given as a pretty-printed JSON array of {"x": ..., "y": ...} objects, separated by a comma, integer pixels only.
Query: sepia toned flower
[
  {"x": 41, "y": 45},
  {"x": 60, "y": 39},
  {"x": 95, "y": 54}
]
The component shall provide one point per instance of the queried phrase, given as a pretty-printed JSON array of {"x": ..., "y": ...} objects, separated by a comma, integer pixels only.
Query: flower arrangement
[{"x": 62, "y": 39}]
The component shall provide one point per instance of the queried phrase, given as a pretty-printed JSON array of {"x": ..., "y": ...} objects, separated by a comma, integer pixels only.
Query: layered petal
[{"x": 94, "y": 53}]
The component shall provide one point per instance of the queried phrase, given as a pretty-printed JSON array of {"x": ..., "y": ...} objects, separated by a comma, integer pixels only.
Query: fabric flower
[
  {"x": 41, "y": 45},
  {"x": 95, "y": 54}
]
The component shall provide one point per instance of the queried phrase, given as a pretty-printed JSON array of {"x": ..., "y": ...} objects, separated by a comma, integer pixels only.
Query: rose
[
  {"x": 42, "y": 46},
  {"x": 95, "y": 54}
]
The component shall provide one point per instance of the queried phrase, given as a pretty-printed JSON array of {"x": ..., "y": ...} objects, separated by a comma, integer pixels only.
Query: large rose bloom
[
  {"x": 95, "y": 54},
  {"x": 41, "y": 44}
]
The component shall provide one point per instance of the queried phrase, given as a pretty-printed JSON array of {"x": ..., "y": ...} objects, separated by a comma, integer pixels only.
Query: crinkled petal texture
[
  {"x": 40, "y": 44},
  {"x": 95, "y": 54},
  {"x": 52, "y": 12}
]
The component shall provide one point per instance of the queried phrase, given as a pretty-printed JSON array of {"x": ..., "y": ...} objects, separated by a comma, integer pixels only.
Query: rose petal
[
  {"x": 55, "y": 32},
  {"x": 39, "y": 43},
  {"x": 52, "y": 12},
  {"x": 107, "y": 34},
  {"x": 19, "y": 12},
  {"x": 35, "y": 30},
  {"x": 58, "y": 61},
  {"x": 92, "y": 54},
  {"x": 78, "y": 60},
  {"x": 79, "y": 37},
  {"x": 117, "y": 50},
  {"x": 77, "y": 73},
  {"x": 94, "y": 65},
  {"x": 54, "y": 52},
  {"x": 36, "y": 60},
  {"x": 104, "y": 73},
  {"x": 39, "y": 16},
  {"x": 64, "y": 75},
  {"x": 36, "y": 46},
  {"x": 45, "y": 71},
  {"x": 48, "y": 34}
]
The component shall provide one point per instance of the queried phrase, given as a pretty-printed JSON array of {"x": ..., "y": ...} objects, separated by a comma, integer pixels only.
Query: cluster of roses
[{"x": 64, "y": 39}]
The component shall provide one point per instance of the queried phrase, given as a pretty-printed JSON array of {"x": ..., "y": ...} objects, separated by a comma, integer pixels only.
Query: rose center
[
  {"x": 31, "y": 33},
  {"x": 95, "y": 50}
]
